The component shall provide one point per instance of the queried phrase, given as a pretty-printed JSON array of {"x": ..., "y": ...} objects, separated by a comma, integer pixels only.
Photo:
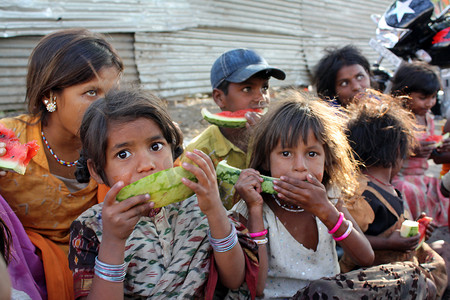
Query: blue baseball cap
[{"x": 238, "y": 65}]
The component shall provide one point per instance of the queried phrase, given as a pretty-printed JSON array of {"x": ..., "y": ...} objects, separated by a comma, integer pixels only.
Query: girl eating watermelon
[
  {"x": 131, "y": 249},
  {"x": 381, "y": 133}
]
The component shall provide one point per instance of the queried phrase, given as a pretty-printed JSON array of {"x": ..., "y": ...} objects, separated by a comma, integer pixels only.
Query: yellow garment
[
  {"x": 41, "y": 201},
  {"x": 213, "y": 143}
]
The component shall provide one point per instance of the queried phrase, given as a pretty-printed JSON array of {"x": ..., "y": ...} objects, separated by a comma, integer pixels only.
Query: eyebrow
[{"x": 151, "y": 139}]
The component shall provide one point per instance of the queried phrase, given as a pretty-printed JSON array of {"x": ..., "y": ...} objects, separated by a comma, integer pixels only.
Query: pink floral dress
[{"x": 421, "y": 192}]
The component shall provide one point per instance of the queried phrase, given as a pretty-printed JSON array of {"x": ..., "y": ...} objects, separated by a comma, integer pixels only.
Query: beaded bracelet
[
  {"x": 258, "y": 234},
  {"x": 262, "y": 242},
  {"x": 338, "y": 224},
  {"x": 225, "y": 244},
  {"x": 346, "y": 233},
  {"x": 112, "y": 273}
]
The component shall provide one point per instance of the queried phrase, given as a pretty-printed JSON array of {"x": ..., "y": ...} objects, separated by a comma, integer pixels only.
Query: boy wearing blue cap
[{"x": 240, "y": 80}]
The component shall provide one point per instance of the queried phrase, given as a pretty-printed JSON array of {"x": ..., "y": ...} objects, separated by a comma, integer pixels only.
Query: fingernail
[{"x": 185, "y": 164}]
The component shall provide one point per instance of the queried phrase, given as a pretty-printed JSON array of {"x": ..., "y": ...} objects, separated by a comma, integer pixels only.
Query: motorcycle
[{"x": 413, "y": 30}]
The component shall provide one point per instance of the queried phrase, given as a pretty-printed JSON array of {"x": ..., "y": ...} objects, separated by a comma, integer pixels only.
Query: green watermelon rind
[
  {"x": 7, "y": 164},
  {"x": 229, "y": 174},
  {"x": 164, "y": 187},
  {"x": 409, "y": 228},
  {"x": 222, "y": 121}
]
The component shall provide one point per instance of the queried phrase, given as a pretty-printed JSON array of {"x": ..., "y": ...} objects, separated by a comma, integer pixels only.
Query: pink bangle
[
  {"x": 258, "y": 234},
  {"x": 346, "y": 233},
  {"x": 338, "y": 224}
]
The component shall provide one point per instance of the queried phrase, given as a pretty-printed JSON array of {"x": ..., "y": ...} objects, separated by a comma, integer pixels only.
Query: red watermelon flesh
[
  {"x": 423, "y": 224},
  {"x": 238, "y": 113},
  {"x": 17, "y": 155}
]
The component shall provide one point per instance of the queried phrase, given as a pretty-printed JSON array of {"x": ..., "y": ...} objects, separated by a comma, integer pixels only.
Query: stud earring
[{"x": 50, "y": 104}]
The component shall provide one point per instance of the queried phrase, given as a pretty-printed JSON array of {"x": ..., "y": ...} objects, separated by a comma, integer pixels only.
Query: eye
[
  {"x": 265, "y": 88},
  {"x": 246, "y": 89},
  {"x": 360, "y": 77},
  {"x": 156, "y": 146},
  {"x": 312, "y": 154},
  {"x": 343, "y": 84},
  {"x": 92, "y": 93},
  {"x": 123, "y": 154},
  {"x": 286, "y": 153}
]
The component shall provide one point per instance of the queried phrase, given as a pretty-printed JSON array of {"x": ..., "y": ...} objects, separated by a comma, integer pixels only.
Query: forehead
[
  {"x": 350, "y": 71},
  {"x": 123, "y": 131}
]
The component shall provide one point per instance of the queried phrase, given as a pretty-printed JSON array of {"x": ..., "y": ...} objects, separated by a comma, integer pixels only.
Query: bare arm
[
  {"x": 119, "y": 219},
  {"x": 230, "y": 264},
  {"x": 249, "y": 188}
]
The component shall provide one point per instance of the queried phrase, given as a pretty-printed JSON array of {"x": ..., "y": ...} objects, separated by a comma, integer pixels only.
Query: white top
[{"x": 291, "y": 265}]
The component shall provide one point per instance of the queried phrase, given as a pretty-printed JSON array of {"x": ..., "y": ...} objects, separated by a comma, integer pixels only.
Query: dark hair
[
  {"x": 380, "y": 130},
  {"x": 63, "y": 59},
  {"x": 223, "y": 86},
  {"x": 122, "y": 106},
  {"x": 415, "y": 77},
  {"x": 5, "y": 241},
  {"x": 293, "y": 118},
  {"x": 325, "y": 71}
]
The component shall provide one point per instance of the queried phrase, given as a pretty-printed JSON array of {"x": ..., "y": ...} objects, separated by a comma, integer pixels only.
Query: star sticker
[{"x": 402, "y": 8}]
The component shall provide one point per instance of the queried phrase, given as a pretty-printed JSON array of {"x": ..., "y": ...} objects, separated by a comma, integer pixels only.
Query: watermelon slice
[
  {"x": 409, "y": 228},
  {"x": 164, "y": 187},
  {"x": 230, "y": 174},
  {"x": 17, "y": 155},
  {"x": 230, "y": 119},
  {"x": 438, "y": 139},
  {"x": 423, "y": 224}
]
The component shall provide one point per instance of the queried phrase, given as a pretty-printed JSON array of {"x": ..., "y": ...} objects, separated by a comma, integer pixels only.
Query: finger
[
  {"x": 312, "y": 179},
  {"x": 200, "y": 159},
  {"x": 110, "y": 197},
  {"x": 207, "y": 160}
]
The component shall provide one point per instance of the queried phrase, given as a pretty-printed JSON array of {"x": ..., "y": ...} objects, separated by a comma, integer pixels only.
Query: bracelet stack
[
  {"x": 225, "y": 244},
  {"x": 259, "y": 234},
  {"x": 111, "y": 273},
  {"x": 340, "y": 221}
]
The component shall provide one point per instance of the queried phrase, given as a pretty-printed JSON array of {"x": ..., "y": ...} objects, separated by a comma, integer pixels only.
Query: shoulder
[
  {"x": 206, "y": 138},
  {"x": 92, "y": 216},
  {"x": 24, "y": 126}
]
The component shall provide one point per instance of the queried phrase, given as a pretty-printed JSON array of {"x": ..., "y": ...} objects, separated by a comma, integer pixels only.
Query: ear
[
  {"x": 93, "y": 173},
  {"x": 219, "y": 98}
]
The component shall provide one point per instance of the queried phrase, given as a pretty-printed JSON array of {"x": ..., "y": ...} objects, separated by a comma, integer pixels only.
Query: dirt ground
[{"x": 187, "y": 114}]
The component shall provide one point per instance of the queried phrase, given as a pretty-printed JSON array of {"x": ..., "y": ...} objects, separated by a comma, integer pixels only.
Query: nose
[
  {"x": 262, "y": 97},
  {"x": 299, "y": 164},
  {"x": 356, "y": 86},
  {"x": 145, "y": 164}
]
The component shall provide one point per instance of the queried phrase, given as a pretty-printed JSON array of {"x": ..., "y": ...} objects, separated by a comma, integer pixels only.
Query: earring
[{"x": 50, "y": 105}]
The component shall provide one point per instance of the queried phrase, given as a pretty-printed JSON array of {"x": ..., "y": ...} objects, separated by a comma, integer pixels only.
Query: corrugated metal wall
[{"x": 175, "y": 42}]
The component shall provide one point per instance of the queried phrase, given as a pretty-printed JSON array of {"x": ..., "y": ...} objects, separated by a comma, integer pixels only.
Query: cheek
[{"x": 125, "y": 177}]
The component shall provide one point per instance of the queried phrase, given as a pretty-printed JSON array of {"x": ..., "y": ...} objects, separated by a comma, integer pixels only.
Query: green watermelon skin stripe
[
  {"x": 223, "y": 121},
  {"x": 164, "y": 187},
  {"x": 231, "y": 174}
]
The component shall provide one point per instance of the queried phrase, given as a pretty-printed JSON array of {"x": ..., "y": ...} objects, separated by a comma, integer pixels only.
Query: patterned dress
[
  {"x": 420, "y": 192},
  {"x": 168, "y": 255}
]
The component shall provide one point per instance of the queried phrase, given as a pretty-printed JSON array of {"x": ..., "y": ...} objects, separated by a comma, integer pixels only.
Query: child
[
  {"x": 240, "y": 80},
  {"x": 134, "y": 250},
  {"x": 301, "y": 142},
  {"x": 421, "y": 193},
  {"x": 381, "y": 133},
  {"x": 341, "y": 74}
]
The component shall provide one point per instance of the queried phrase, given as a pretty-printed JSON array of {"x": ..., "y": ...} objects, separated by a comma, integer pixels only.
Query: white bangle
[{"x": 262, "y": 242}]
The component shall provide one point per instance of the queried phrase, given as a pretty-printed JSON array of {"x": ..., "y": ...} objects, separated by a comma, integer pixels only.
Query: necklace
[
  {"x": 290, "y": 208},
  {"x": 378, "y": 180},
  {"x": 60, "y": 161}
]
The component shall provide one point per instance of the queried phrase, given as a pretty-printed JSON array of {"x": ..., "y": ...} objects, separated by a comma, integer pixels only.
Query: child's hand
[
  {"x": 445, "y": 147},
  {"x": 248, "y": 186},
  {"x": 310, "y": 194},
  {"x": 206, "y": 188},
  {"x": 252, "y": 118},
  {"x": 120, "y": 218},
  {"x": 425, "y": 148},
  {"x": 2, "y": 152},
  {"x": 396, "y": 242}
]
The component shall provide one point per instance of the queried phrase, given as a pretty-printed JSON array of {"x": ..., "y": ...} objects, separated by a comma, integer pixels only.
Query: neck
[
  {"x": 381, "y": 177},
  {"x": 238, "y": 136}
]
